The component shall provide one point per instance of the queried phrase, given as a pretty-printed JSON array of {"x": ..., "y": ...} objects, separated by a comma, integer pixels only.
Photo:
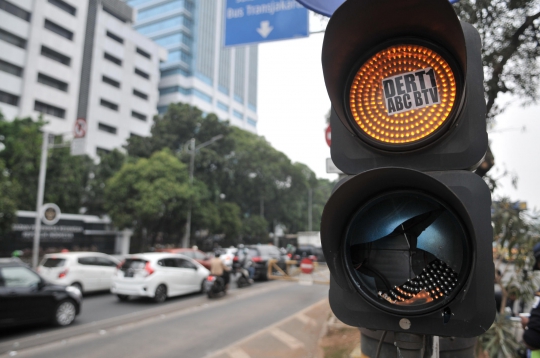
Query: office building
[
  {"x": 69, "y": 59},
  {"x": 199, "y": 70}
]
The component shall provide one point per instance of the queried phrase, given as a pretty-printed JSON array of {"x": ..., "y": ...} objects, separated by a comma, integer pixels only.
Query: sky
[{"x": 293, "y": 103}]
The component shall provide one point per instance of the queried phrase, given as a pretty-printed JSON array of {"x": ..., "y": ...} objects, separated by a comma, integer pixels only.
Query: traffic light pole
[{"x": 39, "y": 201}]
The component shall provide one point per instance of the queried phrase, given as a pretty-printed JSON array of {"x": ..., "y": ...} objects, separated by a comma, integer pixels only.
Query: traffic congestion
[{"x": 54, "y": 292}]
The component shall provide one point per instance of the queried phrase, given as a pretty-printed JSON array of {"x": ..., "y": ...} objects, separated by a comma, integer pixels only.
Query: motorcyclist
[
  {"x": 531, "y": 336},
  {"x": 218, "y": 268},
  {"x": 245, "y": 260}
]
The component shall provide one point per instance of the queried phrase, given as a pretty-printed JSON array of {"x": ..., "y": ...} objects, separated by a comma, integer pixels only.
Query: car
[
  {"x": 260, "y": 254},
  {"x": 197, "y": 255},
  {"x": 88, "y": 271},
  {"x": 158, "y": 275},
  {"x": 312, "y": 252},
  {"x": 27, "y": 298},
  {"x": 227, "y": 255}
]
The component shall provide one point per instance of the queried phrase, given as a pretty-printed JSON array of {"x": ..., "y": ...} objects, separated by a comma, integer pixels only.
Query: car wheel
[
  {"x": 161, "y": 294},
  {"x": 65, "y": 313},
  {"x": 122, "y": 298},
  {"x": 77, "y": 286}
]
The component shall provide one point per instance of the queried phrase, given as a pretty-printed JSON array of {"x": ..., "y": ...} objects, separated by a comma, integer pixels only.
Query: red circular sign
[
  {"x": 306, "y": 266},
  {"x": 328, "y": 136},
  {"x": 79, "y": 131}
]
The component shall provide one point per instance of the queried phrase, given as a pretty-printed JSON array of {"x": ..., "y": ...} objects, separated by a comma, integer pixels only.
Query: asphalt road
[{"x": 191, "y": 326}]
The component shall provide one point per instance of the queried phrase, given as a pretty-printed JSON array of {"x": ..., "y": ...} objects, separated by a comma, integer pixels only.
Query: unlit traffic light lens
[
  {"x": 407, "y": 252},
  {"x": 402, "y": 95}
]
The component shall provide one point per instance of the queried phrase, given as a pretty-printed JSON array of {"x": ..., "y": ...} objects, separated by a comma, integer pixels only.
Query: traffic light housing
[{"x": 408, "y": 238}]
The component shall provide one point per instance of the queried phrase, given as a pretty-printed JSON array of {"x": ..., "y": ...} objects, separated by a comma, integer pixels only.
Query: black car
[
  {"x": 25, "y": 297},
  {"x": 260, "y": 254},
  {"x": 309, "y": 251}
]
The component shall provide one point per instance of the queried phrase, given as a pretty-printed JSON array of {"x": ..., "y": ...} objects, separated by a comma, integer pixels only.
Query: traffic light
[{"x": 407, "y": 236}]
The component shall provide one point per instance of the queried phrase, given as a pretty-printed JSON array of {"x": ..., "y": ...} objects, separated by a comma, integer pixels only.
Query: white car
[
  {"x": 88, "y": 271},
  {"x": 158, "y": 275}
]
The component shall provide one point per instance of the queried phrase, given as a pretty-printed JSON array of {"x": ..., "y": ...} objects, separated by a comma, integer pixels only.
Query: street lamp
[{"x": 193, "y": 150}]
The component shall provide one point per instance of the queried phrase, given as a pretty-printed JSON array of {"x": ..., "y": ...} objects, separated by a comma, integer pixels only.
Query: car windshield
[
  {"x": 53, "y": 262},
  {"x": 134, "y": 264}
]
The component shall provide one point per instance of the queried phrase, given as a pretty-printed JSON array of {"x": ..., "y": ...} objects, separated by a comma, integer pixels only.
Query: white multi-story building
[
  {"x": 69, "y": 59},
  {"x": 199, "y": 70}
]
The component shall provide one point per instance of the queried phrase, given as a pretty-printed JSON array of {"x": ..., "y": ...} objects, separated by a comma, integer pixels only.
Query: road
[{"x": 191, "y": 326}]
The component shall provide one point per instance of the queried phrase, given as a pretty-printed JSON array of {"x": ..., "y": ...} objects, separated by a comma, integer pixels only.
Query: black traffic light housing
[
  {"x": 357, "y": 29},
  {"x": 408, "y": 239}
]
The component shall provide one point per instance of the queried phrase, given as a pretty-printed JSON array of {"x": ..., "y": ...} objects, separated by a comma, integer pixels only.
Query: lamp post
[{"x": 193, "y": 150}]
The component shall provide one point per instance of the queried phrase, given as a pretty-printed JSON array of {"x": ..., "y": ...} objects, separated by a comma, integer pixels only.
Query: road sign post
[{"x": 256, "y": 21}]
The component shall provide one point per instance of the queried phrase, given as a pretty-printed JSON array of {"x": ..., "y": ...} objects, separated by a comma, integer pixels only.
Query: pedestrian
[{"x": 531, "y": 324}]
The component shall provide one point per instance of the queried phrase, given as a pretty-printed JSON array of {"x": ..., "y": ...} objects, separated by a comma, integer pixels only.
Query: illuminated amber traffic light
[{"x": 403, "y": 94}]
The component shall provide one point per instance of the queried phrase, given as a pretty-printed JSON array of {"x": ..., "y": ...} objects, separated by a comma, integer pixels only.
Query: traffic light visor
[{"x": 403, "y": 97}]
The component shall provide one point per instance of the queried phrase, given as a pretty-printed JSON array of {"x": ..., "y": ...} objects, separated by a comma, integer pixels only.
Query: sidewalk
[{"x": 294, "y": 337}]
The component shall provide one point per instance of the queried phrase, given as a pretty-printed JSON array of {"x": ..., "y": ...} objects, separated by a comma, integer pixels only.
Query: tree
[
  {"x": 8, "y": 206},
  {"x": 255, "y": 230},
  {"x": 510, "y": 36},
  {"x": 66, "y": 176},
  {"x": 152, "y": 195}
]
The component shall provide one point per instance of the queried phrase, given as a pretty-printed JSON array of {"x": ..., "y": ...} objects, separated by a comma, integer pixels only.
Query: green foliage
[
  {"x": 255, "y": 230},
  {"x": 151, "y": 195},
  {"x": 509, "y": 30},
  {"x": 499, "y": 339},
  {"x": 8, "y": 204},
  {"x": 66, "y": 178}
]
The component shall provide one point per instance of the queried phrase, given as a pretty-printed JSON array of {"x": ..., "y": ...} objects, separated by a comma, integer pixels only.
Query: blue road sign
[
  {"x": 327, "y": 7},
  {"x": 255, "y": 21}
]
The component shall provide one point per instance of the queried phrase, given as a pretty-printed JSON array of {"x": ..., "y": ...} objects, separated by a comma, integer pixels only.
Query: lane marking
[
  {"x": 306, "y": 320},
  {"x": 237, "y": 353},
  {"x": 287, "y": 339}
]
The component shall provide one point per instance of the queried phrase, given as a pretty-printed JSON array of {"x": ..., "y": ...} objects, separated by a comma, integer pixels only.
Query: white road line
[
  {"x": 286, "y": 338},
  {"x": 306, "y": 320},
  {"x": 237, "y": 353}
]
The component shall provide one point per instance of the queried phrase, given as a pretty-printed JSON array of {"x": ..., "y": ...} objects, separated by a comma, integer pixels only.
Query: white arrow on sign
[{"x": 265, "y": 29}]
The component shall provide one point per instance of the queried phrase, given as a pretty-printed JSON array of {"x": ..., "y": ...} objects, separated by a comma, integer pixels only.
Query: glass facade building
[{"x": 199, "y": 70}]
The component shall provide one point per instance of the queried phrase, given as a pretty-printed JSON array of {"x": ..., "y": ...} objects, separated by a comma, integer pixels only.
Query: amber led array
[{"x": 367, "y": 103}]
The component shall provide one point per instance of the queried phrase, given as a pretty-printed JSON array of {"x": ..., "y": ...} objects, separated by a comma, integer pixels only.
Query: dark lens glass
[{"x": 407, "y": 252}]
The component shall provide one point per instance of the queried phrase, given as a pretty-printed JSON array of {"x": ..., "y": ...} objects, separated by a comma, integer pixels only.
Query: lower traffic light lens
[
  {"x": 403, "y": 96},
  {"x": 407, "y": 252}
]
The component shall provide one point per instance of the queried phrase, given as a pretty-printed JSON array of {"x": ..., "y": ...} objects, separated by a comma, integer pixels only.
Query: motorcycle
[
  {"x": 244, "y": 280},
  {"x": 214, "y": 286}
]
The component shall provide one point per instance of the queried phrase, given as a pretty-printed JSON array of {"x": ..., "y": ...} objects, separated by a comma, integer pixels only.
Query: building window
[
  {"x": 102, "y": 151},
  {"x": 238, "y": 99},
  {"x": 112, "y": 59},
  {"x": 59, "y": 30},
  {"x": 110, "y": 81},
  {"x": 222, "y": 106},
  {"x": 134, "y": 3},
  {"x": 109, "y": 105},
  {"x": 252, "y": 107},
  {"x": 115, "y": 37},
  {"x": 159, "y": 9},
  {"x": 14, "y": 10},
  {"x": 12, "y": 39},
  {"x": 140, "y": 94},
  {"x": 237, "y": 114},
  {"x": 175, "y": 71},
  {"x": 143, "y": 53},
  {"x": 106, "y": 128},
  {"x": 252, "y": 122},
  {"x": 52, "y": 82},
  {"x": 9, "y": 98},
  {"x": 133, "y": 135},
  {"x": 142, "y": 73},
  {"x": 162, "y": 109},
  {"x": 223, "y": 90},
  {"x": 12, "y": 69},
  {"x": 64, "y": 6},
  {"x": 49, "y": 109},
  {"x": 179, "y": 55},
  {"x": 114, "y": 14},
  {"x": 162, "y": 25},
  {"x": 202, "y": 95},
  {"x": 138, "y": 115},
  {"x": 56, "y": 56},
  {"x": 174, "y": 89}
]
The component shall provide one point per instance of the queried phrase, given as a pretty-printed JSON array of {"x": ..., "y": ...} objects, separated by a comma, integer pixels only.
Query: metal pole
[
  {"x": 187, "y": 233},
  {"x": 310, "y": 209},
  {"x": 39, "y": 201}
]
